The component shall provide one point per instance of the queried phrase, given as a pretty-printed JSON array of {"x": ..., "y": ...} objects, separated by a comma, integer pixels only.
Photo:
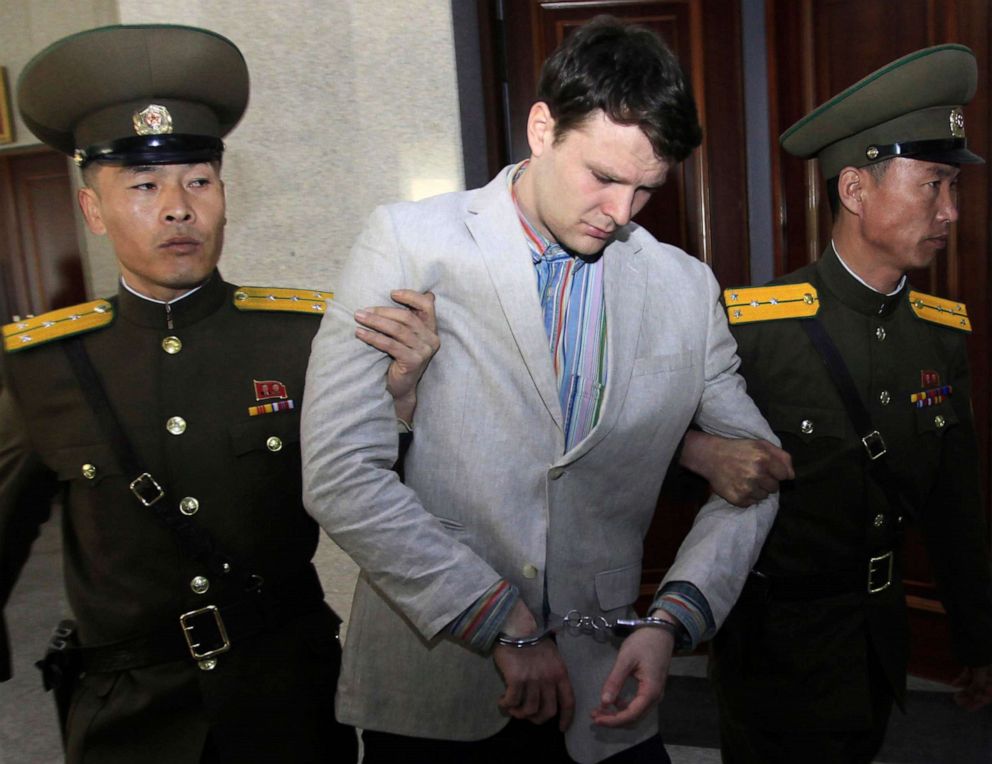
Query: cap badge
[
  {"x": 957, "y": 123},
  {"x": 152, "y": 120}
]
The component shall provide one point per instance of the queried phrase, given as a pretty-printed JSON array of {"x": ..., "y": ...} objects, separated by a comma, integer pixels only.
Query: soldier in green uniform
[
  {"x": 167, "y": 418},
  {"x": 866, "y": 382}
]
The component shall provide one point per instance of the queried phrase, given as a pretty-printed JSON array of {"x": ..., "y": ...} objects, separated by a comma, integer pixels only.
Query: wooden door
[
  {"x": 817, "y": 48},
  {"x": 40, "y": 265},
  {"x": 518, "y": 35}
]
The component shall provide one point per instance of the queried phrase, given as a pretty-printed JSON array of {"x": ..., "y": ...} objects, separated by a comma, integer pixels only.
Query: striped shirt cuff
[
  {"x": 687, "y": 604},
  {"x": 478, "y": 625}
]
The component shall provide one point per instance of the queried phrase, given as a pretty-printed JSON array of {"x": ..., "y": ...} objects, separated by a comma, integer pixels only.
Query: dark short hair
[{"x": 629, "y": 73}]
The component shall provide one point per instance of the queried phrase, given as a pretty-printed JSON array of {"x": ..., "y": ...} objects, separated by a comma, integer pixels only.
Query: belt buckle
[
  {"x": 185, "y": 621},
  {"x": 874, "y": 444},
  {"x": 886, "y": 561},
  {"x": 145, "y": 485}
]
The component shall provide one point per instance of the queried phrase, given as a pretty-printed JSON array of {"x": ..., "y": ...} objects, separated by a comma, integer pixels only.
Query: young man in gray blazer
[{"x": 479, "y": 628}]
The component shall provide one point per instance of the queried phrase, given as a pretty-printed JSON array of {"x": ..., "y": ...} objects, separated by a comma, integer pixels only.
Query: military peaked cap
[
  {"x": 136, "y": 94},
  {"x": 909, "y": 108}
]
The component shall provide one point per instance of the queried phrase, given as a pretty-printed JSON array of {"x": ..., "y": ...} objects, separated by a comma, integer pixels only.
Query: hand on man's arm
[
  {"x": 644, "y": 656},
  {"x": 537, "y": 683},
  {"x": 740, "y": 470},
  {"x": 407, "y": 334}
]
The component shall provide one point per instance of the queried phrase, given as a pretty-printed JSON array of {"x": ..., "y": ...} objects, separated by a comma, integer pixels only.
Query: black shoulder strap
[
  {"x": 195, "y": 541},
  {"x": 870, "y": 437}
]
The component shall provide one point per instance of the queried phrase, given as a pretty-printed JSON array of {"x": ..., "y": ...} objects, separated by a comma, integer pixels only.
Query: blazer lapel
[
  {"x": 494, "y": 225},
  {"x": 624, "y": 285}
]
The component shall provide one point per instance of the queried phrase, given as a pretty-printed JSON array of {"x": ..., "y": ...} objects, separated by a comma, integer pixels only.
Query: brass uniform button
[
  {"x": 274, "y": 444},
  {"x": 172, "y": 345},
  {"x": 884, "y": 398},
  {"x": 880, "y": 333},
  {"x": 189, "y": 505},
  {"x": 939, "y": 421},
  {"x": 176, "y": 425},
  {"x": 89, "y": 471},
  {"x": 199, "y": 585},
  {"x": 806, "y": 426},
  {"x": 879, "y": 520},
  {"x": 207, "y": 664},
  {"x": 530, "y": 571}
]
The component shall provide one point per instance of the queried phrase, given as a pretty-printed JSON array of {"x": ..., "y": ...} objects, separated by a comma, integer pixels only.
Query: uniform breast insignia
[
  {"x": 937, "y": 310},
  {"x": 930, "y": 397},
  {"x": 57, "y": 324},
  {"x": 771, "y": 303},
  {"x": 282, "y": 300},
  {"x": 269, "y": 389}
]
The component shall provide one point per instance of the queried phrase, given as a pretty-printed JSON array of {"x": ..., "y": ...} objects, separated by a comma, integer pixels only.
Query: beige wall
[{"x": 353, "y": 103}]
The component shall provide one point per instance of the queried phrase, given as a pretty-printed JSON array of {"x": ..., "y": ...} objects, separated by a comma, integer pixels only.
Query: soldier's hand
[
  {"x": 976, "y": 688},
  {"x": 537, "y": 684},
  {"x": 740, "y": 470},
  {"x": 409, "y": 335}
]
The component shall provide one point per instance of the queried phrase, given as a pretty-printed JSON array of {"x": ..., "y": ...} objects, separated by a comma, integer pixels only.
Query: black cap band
[
  {"x": 154, "y": 149},
  {"x": 945, "y": 149}
]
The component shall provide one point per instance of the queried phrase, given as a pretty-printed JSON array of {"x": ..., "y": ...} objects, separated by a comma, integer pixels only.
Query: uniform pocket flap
[
  {"x": 267, "y": 431},
  {"x": 935, "y": 418},
  {"x": 618, "y": 587},
  {"x": 90, "y": 463}
]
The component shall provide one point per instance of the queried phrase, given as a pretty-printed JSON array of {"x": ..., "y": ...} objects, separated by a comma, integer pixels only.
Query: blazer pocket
[
  {"x": 618, "y": 587},
  {"x": 655, "y": 364}
]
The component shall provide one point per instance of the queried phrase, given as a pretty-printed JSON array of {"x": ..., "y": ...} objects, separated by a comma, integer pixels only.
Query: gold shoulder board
[
  {"x": 56, "y": 325},
  {"x": 283, "y": 300},
  {"x": 770, "y": 303},
  {"x": 940, "y": 311}
]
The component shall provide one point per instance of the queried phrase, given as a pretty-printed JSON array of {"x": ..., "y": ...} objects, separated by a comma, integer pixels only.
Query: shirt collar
[
  {"x": 136, "y": 293},
  {"x": 897, "y": 290},
  {"x": 539, "y": 244}
]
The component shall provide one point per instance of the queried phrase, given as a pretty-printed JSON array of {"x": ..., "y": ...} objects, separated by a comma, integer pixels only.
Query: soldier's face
[
  {"x": 593, "y": 180},
  {"x": 907, "y": 214},
  {"x": 166, "y": 223}
]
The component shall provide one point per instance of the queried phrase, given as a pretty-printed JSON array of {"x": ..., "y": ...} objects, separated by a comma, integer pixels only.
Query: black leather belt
[
  {"x": 875, "y": 577},
  {"x": 211, "y": 630}
]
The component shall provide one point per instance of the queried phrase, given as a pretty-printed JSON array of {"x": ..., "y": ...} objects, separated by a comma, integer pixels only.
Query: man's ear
[
  {"x": 540, "y": 128},
  {"x": 89, "y": 205},
  {"x": 851, "y": 187}
]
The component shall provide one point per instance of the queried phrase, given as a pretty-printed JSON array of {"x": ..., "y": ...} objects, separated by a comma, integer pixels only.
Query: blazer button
[
  {"x": 556, "y": 472},
  {"x": 199, "y": 585},
  {"x": 530, "y": 571},
  {"x": 176, "y": 425},
  {"x": 172, "y": 345}
]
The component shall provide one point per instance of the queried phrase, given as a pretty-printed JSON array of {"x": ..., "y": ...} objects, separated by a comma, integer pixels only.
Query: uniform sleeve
[
  {"x": 349, "y": 447},
  {"x": 26, "y": 491},
  {"x": 955, "y": 531}
]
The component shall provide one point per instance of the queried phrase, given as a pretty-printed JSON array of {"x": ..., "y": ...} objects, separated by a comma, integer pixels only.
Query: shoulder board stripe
[
  {"x": 280, "y": 299},
  {"x": 937, "y": 310},
  {"x": 772, "y": 303},
  {"x": 57, "y": 324}
]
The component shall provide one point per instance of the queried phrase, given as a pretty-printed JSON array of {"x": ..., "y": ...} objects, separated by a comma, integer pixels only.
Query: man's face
[
  {"x": 906, "y": 216},
  {"x": 166, "y": 223},
  {"x": 593, "y": 180}
]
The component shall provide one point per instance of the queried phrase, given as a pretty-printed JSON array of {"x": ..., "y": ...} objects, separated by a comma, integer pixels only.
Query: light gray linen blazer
[{"x": 489, "y": 492}]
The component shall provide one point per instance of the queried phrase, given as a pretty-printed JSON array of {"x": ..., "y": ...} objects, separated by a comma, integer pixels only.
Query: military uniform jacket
[
  {"x": 804, "y": 662},
  {"x": 182, "y": 379}
]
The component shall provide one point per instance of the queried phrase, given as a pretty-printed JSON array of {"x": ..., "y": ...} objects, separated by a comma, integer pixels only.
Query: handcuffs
[{"x": 573, "y": 622}]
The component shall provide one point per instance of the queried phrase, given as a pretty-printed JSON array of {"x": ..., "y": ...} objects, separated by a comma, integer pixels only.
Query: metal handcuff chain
[{"x": 595, "y": 626}]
